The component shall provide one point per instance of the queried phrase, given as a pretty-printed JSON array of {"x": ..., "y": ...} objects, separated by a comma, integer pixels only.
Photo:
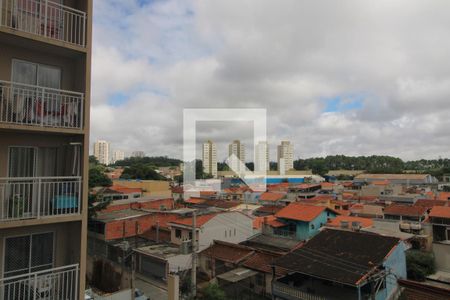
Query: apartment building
[
  {"x": 262, "y": 157},
  {"x": 101, "y": 151},
  {"x": 209, "y": 158},
  {"x": 118, "y": 155},
  {"x": 45, "y": 62},
  {"x": 285, "y": 157},
  {"x": 236, "y": 151}
]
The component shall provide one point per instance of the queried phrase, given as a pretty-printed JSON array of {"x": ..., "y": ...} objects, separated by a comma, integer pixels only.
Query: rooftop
[
  {"x": 163, "y": 251},
  {"x": 261, "y": 261},
  {"x": 200, "y": 220},
  {"x": 339, "y": 255},
  {"x": 227, "y": 252},
  {"x": 336, "y": 222},
  {"x": 272, "y": 196},
  {"x": 392, "y": 176},
  {"x": 300, "y": 212},
  {"x": 120, "y": 215},
  {"x": 440, "y": 212},
  {"x": 271, "y": 243},
  {"x": 237, "y": 275},
  {"x": 405, "y": 210}
]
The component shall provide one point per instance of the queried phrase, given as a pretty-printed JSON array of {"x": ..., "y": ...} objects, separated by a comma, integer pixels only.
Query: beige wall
[{"x": 66, "y": 241}]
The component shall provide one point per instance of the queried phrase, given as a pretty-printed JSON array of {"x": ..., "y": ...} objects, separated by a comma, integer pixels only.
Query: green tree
[
  {"x": 213, "y": 292},
  {"x": 97, "y": 177},
  {"x": 419, "y": 264}
]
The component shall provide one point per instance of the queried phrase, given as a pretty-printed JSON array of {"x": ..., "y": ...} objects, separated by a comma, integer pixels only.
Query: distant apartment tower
[
  {"x": 262, "y": 157},
  {"x": 237, "y": 149},
  {"x": 118, "y": 155},
  {"x": 137, "y": 154},
  {"x": 209, "y": 158},
  {"x": 101, "y": 151},
  {"x": 45, "y": 87},
  {"x": 285, "y": 157}
]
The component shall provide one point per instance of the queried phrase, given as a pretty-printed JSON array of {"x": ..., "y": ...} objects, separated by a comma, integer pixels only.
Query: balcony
[
  {"x": 31, "y": 105},
  {"x": 45, "y": 18},
  {"x": 39, "y": 197},
  {"x": 56, "y": 283}
]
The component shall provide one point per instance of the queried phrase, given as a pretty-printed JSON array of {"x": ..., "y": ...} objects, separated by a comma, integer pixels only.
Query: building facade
[
  {"x": 45, "y": 65},
  {"x": 209, "y": 158},
  {"x": 262, "y": 157},
  {"x": 101, "y": 151},
  {"x": 285, "y": 157},
  {"x": 118, "y": 155},
  {"x": 236, "y": 154}
]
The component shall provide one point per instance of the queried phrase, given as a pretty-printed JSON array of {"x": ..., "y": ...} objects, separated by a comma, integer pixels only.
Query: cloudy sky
[{"x": 336, "y": 77}]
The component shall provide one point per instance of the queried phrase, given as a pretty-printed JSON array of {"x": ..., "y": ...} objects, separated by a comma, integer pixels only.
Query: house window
[
  {"x": 260, "y": 279},
  {"x": 190, "y": 235},
  {"x": 328, "y": 213},
  {"x": 178, "y": 233},
  {"x": 312, "y": 226},
  {"x": 28, "y": 253}
]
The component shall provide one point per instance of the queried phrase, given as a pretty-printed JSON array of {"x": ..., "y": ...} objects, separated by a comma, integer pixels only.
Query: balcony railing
[
  {"x": 45, "y": 18},
  {"x": 40, "y": 106},
  {"x": 56, "y": 283},
  {"x": 284, "y": 290},
  {"x": 37, "y": 197}
]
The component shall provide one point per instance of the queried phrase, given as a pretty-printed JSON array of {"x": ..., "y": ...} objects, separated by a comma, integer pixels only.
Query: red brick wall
[
  {"x": 127, "y": 228},
  {"x": 150, "y": 204}
]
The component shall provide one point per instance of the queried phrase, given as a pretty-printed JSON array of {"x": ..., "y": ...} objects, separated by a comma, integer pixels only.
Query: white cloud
[{"x": 284, "y": 56}]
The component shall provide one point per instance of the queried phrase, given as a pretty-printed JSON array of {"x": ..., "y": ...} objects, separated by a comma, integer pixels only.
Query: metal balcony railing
[
  {"x": 32, "y": 105},
  {"x": 37, "y": 197},
  {"x": 283, "y": 290},
  {"x": 45, "y": 18},
  {"x": 56, "y": 283}
]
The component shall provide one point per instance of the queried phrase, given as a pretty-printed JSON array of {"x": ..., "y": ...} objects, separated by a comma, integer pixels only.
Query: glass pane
[
  {"x": 49, "y": 77},
  {"x": 17, "y": 254},
  {"x": 22, "y": 162},
  {"x": 24, "y": 72},
  {"x": 41, "y": 251}
]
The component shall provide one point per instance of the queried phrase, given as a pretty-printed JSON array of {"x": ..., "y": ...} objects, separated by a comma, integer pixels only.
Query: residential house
[
  {"x": 440, "y": 220},
  {"x": 272, "y": 198},
  {"x": 233, "y": 227},
  {"x": 350, "y": 223},
  {"x": 410, "y": 217},
  {"x": 341, "y": 264},
  {"x": 301, "y": 221}
]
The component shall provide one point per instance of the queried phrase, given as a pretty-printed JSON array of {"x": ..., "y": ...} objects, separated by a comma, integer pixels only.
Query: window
[
  {"x": 260, "y": 279},
  {"x": 36, "y": 74},
  {"x": 190, "y": 235},
  {"x": 178, "y": 233},
  {"x": 28, "y": 253},
  {"x": 312, "y": 226}
]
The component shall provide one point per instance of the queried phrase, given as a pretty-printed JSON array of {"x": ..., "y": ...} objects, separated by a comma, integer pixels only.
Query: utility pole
[{"x": 194, "y": 256}]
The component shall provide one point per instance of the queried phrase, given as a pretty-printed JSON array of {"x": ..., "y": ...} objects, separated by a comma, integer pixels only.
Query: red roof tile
[
  {"x": 201, "y": 220},
  {"x": 269, "y": 209},
  {"x": 405, "y": 210},
  {"x": 444, "y": 196},
  {"x": 271, "y": 196},
  {"x": 300, "y": 212},
  {"x": 440, "y": 212},
  {"x": 227, "y": 252},
  {"x": 428, "y": 203},
  {"x": 261, "y": 261},
  {"x": 193, "y": 200},
  {"x": 336, "y": 222},
  {"x": 124, "y": 190}
]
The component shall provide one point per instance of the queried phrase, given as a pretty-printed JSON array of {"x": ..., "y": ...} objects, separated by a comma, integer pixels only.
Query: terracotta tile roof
[
  {"x": 262, "y": 261},
  {"x": 336, "y": 222},
  {"x": 177, "y": 189},
  {"x": 194, "y": 200},
  {"x": 300, "y": 212},
  {"x": 275, "y": 223},
  {"x": 429, "y": 203},
  {"x": 444, "y": 196},
  {"x": 227, "y": 252},
  {"x": 272, "y": 196},
  {"x": 405, "y": 210},
  {"x": 440, "y": 212},
  {"x": 269, "y": 209},
  {"x": 201, "y": 220},
  {"x": 257, "y": 222},
  {"x": 326, "y": 184},
  {"x": 222, "y": 203}
]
